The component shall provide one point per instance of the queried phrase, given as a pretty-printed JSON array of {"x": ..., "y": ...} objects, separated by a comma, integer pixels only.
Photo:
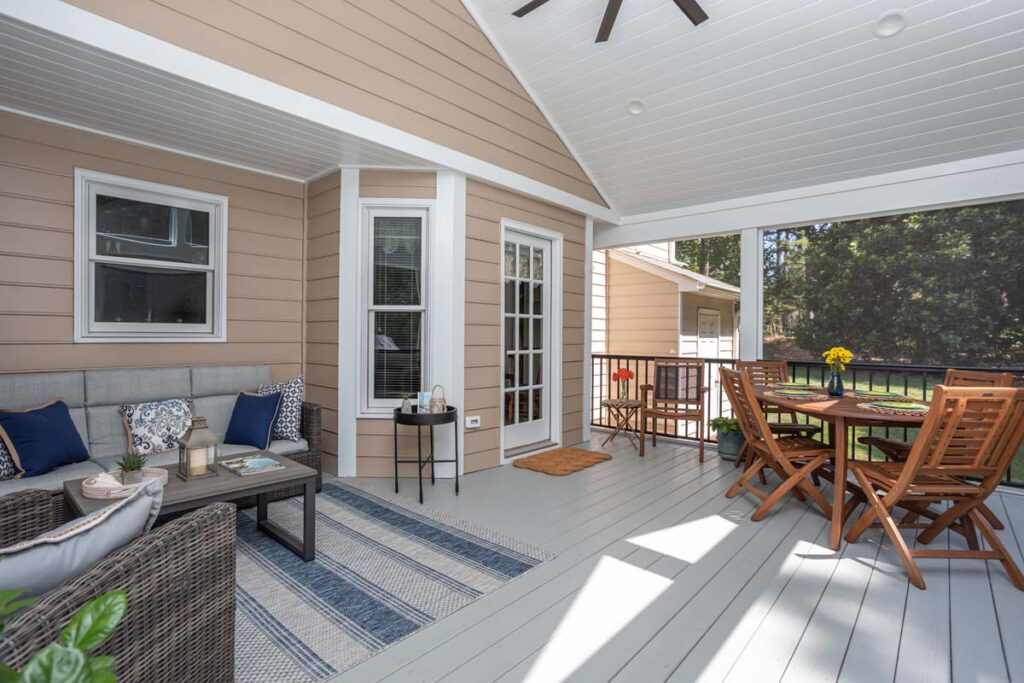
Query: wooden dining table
[{"x": 840, "y": 414}]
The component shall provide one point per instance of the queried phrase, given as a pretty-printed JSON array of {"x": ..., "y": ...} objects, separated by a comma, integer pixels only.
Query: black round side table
[{"x": 419, "y": 420}]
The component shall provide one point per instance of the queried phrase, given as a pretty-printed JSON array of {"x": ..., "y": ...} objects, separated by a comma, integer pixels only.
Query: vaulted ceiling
[{"x": 767, "y": 94}]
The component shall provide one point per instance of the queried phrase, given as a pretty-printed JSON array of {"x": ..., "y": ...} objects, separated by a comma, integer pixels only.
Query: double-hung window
[
  {"x": 150, "y": 261},
  {"x": 394, "y": 296}
]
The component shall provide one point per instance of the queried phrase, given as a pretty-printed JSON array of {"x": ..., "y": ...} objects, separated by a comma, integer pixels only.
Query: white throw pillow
[
  {"x": 70, "y": 550},
  {"x": 156, "y": 427},
  {"x": 289, "y": 416}
]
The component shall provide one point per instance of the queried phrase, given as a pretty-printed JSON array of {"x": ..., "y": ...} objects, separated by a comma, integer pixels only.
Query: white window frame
[
  {"x": 368, "y": 211},
  {"x": 90, "y": 183}
]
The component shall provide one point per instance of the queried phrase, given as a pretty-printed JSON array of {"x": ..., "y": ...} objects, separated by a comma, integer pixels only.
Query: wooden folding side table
[{"x": 622, "y": 411}]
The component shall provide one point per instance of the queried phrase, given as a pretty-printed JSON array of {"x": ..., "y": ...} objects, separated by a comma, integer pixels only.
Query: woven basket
[
  {"x": 438, "y": 404},
  {"x": 91, "y": 490}
]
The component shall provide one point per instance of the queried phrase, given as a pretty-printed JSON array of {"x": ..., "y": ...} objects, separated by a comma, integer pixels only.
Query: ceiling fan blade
[
  {"x": 610, "y": 12},
  {"x": 528, "y": 7},
  {"x": 693, "y": 11}
]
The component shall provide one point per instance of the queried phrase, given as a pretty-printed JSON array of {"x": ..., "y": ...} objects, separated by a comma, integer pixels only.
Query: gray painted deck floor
[{"x": 659, "y": 576}]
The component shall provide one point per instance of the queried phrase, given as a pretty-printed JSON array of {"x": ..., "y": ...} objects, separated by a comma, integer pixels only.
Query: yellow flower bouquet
[{"x": 838, "y": 357}]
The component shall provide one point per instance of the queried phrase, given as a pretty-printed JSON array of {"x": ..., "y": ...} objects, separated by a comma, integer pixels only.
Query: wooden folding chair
[
  {"x": 962, "y": 452},
  {"x": 794, "y": 458},
  {"x": 767, "y": 373},
  {"x": 897, "y": 450},
  {"x": 677, "y": 394}
]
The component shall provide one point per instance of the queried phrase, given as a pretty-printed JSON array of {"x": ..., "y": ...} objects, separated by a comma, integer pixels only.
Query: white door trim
[
  {"x": 554, "y": 320},
  {"x": 348, "y": 320}
]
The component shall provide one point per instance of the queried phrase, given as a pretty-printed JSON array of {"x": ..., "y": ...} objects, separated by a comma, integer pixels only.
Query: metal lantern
[{"x": 197, "y": 451}]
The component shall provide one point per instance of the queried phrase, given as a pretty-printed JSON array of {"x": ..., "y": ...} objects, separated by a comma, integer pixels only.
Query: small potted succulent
[
  {"x": 730, "y": 438},
  {"x": 131, "y": 468},
  {"x": 406, "y": 402}
]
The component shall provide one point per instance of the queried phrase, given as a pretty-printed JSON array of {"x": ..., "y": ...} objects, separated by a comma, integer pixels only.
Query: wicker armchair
[{"x": 180, "y": 581}]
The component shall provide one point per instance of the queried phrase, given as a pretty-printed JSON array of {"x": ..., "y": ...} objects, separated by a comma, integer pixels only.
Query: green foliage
[
  {"x": 9, "y": 604},
  {"x": 718, "y": 257},
  {"x": 68, "y": 661},
  {"x": 132, "y": 462},
  {"x": 725, "y": 424}
]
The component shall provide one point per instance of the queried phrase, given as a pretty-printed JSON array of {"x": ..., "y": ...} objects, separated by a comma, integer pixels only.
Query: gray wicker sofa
[
  {"x": 93, "y": 396},
  {"x": 180, "y": 583}
]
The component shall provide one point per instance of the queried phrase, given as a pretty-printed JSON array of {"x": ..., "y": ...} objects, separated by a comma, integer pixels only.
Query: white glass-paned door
[{"x": 526, "y": 300}]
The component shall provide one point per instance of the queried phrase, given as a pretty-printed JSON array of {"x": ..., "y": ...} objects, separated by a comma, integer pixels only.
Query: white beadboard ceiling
[
  {"x": 49, "y": 76},
  {"x": 767, "y": 95}
]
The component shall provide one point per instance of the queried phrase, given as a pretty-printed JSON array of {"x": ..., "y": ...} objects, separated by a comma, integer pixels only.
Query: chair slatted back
[
  {"x": 764, "y": 372},
  {"x": 678, "y": 381},
  {"x": 969, "y": 432},
  {"x": 977, "y": 378},
  {"x": 745, "y": 408}
]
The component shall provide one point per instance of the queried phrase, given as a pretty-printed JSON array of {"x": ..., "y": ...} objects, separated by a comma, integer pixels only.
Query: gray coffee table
[{"x": 182, "y": 496}]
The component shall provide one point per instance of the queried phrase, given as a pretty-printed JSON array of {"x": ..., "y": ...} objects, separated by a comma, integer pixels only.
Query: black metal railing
[{"x": 914, "y": 381}]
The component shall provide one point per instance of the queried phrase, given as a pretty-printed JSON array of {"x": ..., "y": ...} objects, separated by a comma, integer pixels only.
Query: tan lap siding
[
  {"x": 374, "y": 437},
  {"x": 486, "y": 206},
  {"x": 421, "y": 67},
  {"x": 323, "y": 216},
  {"x": 265, "y": 224},
  {"x": 643, "y": 312}
]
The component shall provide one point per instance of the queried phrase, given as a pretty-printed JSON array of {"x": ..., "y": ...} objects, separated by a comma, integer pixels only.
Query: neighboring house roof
[{"x": 688, "y": 280}]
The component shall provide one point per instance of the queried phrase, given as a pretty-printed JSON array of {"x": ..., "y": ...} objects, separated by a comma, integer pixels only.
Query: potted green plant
[
  {"x": 131, "y": 468},
  {"x": 730, "y": 438}
]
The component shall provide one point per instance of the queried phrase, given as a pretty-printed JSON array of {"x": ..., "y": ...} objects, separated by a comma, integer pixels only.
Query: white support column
[
  {"x": 751, "y": 294},
  {"x": 588, "y": 324},
  {"x": 348, "y": 321},
  {"x": 446, "y": 346}
]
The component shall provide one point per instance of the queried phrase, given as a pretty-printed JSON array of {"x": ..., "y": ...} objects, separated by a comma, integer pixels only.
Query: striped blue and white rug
[{"x": 384, "y": 569}]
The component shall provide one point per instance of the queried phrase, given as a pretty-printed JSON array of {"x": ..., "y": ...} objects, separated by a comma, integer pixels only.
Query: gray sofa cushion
[
  {"x": 53, "y": 480},
  {"x": 217, "y": 411},
  {"x": 213, "y": 380},
  {"x": 278, "y": 446},
  {"x": 135, "y": 385},
  {"x": 109, "y": 462},
  {"x": 106, "y": 432},
  {"x": 45, "y": 562},
  {"x": 30, "y": 389}
]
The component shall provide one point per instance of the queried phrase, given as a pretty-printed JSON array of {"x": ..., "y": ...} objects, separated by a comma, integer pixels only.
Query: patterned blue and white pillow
[
  {"x": 8, "y": 468},
  {"x": 155, "y": 427},
  {"x": 289, "y": 415}
]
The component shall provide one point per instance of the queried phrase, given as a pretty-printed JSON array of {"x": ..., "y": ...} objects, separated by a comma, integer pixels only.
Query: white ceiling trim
[
  {"x": 100, "y": 33},
  {"x": 994, "y": 177}
]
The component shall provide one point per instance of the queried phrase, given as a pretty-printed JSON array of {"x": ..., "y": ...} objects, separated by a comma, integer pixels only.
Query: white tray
[{"x": 90, "y": 489}]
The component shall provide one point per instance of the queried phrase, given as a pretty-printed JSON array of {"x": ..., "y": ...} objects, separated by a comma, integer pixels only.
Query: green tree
[{"x": 717, "y": 257}]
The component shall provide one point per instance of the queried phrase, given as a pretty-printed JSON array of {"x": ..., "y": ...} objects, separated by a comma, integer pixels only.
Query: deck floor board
[{"x": 658, "y": 576}]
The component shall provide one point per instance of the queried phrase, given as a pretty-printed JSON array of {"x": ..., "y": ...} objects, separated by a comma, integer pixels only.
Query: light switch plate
[{"x": 472, "y": 422}]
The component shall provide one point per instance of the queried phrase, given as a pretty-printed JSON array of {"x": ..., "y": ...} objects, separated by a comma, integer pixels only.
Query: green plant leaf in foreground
[
  {"x": 9, "y": 675},
  {"x": 56, "y": 664},
  {"x": 95, "y": 621}
]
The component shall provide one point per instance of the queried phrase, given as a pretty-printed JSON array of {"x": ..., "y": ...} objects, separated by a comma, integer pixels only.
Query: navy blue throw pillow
[
  {"x": 43, "y": 438},
  {"x": 252, "y": 420}
]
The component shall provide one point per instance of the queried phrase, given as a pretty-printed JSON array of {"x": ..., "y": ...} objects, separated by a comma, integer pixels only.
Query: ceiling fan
[{"x": 690, "y": 8}]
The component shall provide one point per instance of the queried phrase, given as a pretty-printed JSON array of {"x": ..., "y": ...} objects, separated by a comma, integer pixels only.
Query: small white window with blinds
[{"x": 394, "y": 295}]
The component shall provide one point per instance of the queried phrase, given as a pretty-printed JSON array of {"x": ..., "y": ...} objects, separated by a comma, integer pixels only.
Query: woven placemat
[
  {"x": 890, "y": 397},
  {"x": 788, "y": 397},
  {"x": 889, "y": 411}
]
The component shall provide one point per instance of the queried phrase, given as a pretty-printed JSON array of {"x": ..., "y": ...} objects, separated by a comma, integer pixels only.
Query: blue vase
[{"x": 835, "y": 384}]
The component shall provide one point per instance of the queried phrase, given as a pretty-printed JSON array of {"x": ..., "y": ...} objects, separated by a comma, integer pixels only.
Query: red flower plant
[{"x": 622, "y": 376}]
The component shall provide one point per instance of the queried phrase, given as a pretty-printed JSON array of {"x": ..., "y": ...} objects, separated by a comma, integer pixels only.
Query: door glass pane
[
  {"x": 524, "y": 405},
  {"x": 510, "y": 370},
  {"x": 510, "y": 407},
  {"x": 134, "y": 229},
  {"x": 510, "y": 296},
  {"x": 510, "y": 259},
  {"x": 524, "y": 370},
  {"x": 538, "y": 299},
  {"x": 538, "y": 264},
  {"x": 524, "y": 298},
  {"x": 524, "y": 333},
  {"x": 397, "y": 260},
  {"x": 536, "y": 404},
  {"x": 138, "y": 294},
  {"x": 538, "y": 326},
  {"x": 524, "y": 261},
  {"x": 537, "y": 368},
  {"x": 510, "y": 333},
  {"x": 397, "y": 353}
]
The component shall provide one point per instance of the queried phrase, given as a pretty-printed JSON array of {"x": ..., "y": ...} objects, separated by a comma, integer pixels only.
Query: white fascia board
[
  {"x": 993, "y": 177},
  {"x": 91, "y": 29},
  {"x": 685, "y": 283}
]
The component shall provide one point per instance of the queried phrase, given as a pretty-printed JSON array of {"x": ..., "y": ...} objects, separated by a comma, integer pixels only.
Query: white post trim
[
  {"x": 348, "y": 321},
  {"x": 751, "y": 294},
  {"x": 588, "y": 326},
  {"x": 447, "y": 307}
]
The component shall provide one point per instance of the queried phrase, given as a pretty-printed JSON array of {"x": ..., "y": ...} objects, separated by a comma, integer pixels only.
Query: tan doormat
[{"x": 561, "y": 461}]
